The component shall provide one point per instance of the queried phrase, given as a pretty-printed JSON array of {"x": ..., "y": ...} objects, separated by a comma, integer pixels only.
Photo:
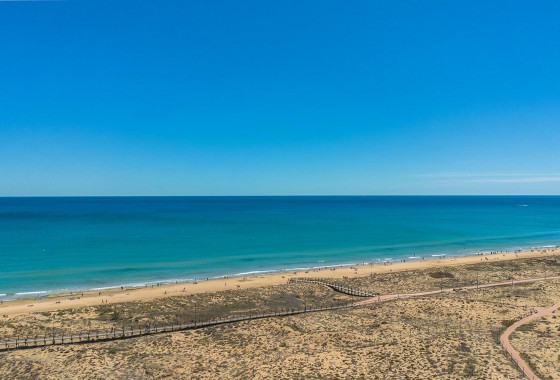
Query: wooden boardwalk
[
  {"x": 514, "y": 355},
  {"x": 126, "y": 333},
  {"x": 334, "y": 286}
]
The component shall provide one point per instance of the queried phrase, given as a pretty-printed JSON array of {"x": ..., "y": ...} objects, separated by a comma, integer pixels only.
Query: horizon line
[{"x": 279, "y": 195}]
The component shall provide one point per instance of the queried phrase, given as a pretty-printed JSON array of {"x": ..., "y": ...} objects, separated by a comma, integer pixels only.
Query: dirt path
[
  {"x": 504, "y": 340},
  {"x": 388, "y": 297},
  {"x": 124, "y": 334},
  {"x": 151, "y": 292}
]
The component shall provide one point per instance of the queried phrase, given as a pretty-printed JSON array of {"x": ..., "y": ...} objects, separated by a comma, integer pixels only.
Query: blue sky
[{"x": 286, "y": 97}]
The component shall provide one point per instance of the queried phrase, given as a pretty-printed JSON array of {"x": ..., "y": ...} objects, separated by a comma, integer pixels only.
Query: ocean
[{"x": 59, "y": 244}]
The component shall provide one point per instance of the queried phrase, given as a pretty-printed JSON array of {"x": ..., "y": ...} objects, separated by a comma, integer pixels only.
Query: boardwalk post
[{"x": 325, "y": 305}]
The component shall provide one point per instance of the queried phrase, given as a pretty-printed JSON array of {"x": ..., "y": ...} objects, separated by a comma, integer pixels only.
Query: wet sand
[
  {"x": 449, "y": 335},
  {"x": 94, "y": 298}
]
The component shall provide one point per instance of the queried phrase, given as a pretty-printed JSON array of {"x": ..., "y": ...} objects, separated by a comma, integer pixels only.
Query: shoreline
[
  {"x": 37, "y": 295},
  {"x": 151, "y": 292}
]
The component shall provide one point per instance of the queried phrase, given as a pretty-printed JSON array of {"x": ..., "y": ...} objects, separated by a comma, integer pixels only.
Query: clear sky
[{"x": 279, "y": 97}]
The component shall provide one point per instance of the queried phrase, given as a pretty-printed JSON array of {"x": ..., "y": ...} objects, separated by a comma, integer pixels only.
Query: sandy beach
[
  {"x": 444, "y": 335},
  {"x": 279, "y": 190},
  {"x": 110, "y": 296}
]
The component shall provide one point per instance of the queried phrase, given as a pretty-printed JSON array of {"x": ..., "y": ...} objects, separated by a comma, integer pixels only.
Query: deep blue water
[{"x": 56, "y": 244}]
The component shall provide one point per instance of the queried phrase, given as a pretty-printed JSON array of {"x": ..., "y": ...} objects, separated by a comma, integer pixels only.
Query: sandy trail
[
  {"x": 65, "y": 339},
  {"x": 388, "y": 297},
  {"x": 504, "y": 339}
]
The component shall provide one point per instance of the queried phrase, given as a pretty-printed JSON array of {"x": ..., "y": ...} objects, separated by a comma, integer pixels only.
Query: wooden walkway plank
[{"x": 89, "y": 337}]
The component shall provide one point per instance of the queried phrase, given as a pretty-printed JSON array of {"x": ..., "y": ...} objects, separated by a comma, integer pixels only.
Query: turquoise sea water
[{"x": 60, "y": 244}]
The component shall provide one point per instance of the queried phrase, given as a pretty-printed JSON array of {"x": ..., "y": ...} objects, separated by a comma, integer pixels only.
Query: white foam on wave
[
  {"x": 413, "y": 257},
  {"x": 155, "y": 282},
  {"x": 143, "y": 284},
  {"x": 334, "y": 266},
  {"x": 296, "y": 269},
  {"x": 438, "y": 255},
  {"x": 105, "y": 288},
  {"x": 253, "y": 272},
  {"x": 318, "y": 267},
  {"x": 31, "y": 293}
]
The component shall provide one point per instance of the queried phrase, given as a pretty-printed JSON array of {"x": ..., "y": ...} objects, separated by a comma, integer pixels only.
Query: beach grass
[{"x": 446, "y": 336}]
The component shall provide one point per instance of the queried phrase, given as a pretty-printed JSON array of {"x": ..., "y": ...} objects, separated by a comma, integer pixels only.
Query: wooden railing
[
  {"x": 334, "y": 286},
  {"x": 151, "y": 329},
  {"x": 125, "y": 333}
]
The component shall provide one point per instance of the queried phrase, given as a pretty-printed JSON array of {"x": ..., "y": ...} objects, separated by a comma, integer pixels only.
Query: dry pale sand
[
  {"x": 78, "y": 300},
  {"x": 446, "y": 336},
  {"x": 538, "y": 343},
  {"x": 451, "y": 336}
]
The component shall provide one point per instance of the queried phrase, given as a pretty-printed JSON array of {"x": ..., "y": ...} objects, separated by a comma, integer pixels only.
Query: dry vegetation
[
  {"x": 487, "y": 271},
  {"x": 449, "y": 336},
  {"x": 166, "y": 311},
  {"x": 539, "y": 344}
]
